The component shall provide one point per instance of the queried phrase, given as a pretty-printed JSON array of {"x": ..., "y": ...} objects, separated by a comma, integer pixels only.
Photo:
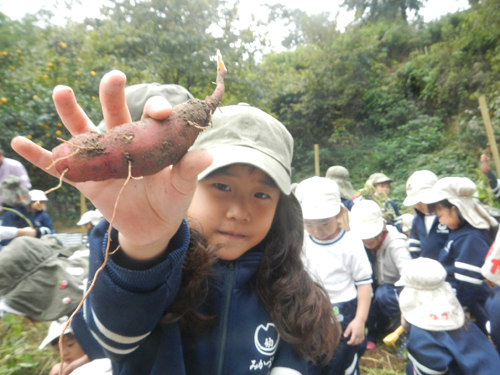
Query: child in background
[
  {"x": 74, "y": 360},
  {"x": 89, "y": 220},
  {"x": 441, "y": 340},
  {"x": 427, "y": 236},
  {"x": 19, "y": 214},
  {"x": 37, "y": 215},
  {"x": 335, "y": 257},
  {"x": 388, "y": 252},
  {"x": 492, "y": 179},
  {"x": 253, "y": 307},
  {"x": 468, "y": 243},
  {"x": 340, "y": 175}
]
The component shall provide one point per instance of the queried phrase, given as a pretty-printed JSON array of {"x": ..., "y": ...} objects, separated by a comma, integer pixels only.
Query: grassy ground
[
  {"x": 19, "y": 341},
  {"x": 382, "y": 361},
  {"x": 20, "y": 337}
]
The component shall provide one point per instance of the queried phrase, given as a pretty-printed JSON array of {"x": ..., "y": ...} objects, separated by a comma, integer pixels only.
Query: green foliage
[
  {"x": 19, "y": 341},
  {"x": 373, "y": 10}
]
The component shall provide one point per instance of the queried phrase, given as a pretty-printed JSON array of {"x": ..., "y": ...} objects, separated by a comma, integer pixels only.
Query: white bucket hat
[
  {"x": 55, "y": 330},
  {"x": 458, "y": 191},
  {"x": 319, "y": 198},
  {"x": 38, "y": 195},
  {"x": 418, "y": 185},
  {"x": 92, "y": 217},
  {"x": 366, "y": 219},
  {"x": 427, "y": 301}
]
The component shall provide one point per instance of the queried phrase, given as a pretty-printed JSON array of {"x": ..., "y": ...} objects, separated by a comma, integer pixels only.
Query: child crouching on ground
[
  {"x": 163, "y": 304},
  {"x": 74, "y": 360},
  {"x": 335, "y": 257},
  {"x": 441, "y": 339},
  {"x": 388, "y": 252}
]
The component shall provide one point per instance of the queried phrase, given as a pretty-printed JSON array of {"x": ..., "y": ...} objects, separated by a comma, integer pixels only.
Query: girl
[
  {"x": 163, "y": 304},
  {"x": 468, "y": 242},
  {"x": 336, "y": 257}
]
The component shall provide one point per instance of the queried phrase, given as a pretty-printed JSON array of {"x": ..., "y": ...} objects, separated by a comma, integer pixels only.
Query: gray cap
[
  {"x": 247, "y": 135},
  {"x": 136, "y": 97},
  {"x": 340, "y": 175},
  {"x": 379, "y": 178}
]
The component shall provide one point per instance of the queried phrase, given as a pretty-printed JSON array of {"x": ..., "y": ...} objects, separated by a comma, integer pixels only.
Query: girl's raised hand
[{"x": 150, "y": 209}]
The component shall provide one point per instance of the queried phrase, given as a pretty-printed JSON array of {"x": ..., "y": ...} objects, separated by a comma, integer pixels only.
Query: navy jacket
[
  {"x": 464, "y": 351},
  {"x": 463, "y": 257},
  {"x": 423, "y": 244},
  {"x": 124, "y": 309},
  {"x": 11, "y": 219}
]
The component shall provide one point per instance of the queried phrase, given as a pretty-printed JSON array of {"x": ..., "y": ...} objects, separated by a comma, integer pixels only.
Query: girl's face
[
  {"x": 38, "y": 205},
  {"x": 323, "y": 229},
  {"x": 447, "y": 216},
  {"x": 384, "y": 187},
  {"x": 71, "y": 349},
  {"x": 235, "y": 208},
  {"x": 373, "y": 243}
]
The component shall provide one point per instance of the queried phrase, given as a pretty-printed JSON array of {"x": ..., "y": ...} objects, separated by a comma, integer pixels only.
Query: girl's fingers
[
  {"x": 34, "y": 154},
  {"x": 112, "y": 95},
  {"x": 157, "y": 107},
  {"x": 71, "y": 114},
  {"x": 184, "y": 176}
]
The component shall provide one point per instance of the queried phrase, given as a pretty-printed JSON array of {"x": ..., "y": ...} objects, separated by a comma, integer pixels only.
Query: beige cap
[{"x": 247, "y": 135}]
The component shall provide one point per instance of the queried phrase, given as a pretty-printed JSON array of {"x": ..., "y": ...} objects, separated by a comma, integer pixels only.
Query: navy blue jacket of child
[
  {"x": 464, "y": 351},
  {"x": 463, "y": 257},
  {"x": 125, "y": 307},
  {"x": 423, "y": 244}
]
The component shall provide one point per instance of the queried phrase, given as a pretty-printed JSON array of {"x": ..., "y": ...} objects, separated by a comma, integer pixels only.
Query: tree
[{"x": 373, "y": 10}]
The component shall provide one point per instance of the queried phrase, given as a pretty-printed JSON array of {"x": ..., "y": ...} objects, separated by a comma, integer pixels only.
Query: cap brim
[
  {"x": 412, "y": 201},
  {"x": 367, "y": 231},
  {"x": 433, "y": 197},
  {"x": 326, "y": 212},
  {"x": 384, "y": 181},
  {"x": 230, "y": 154}
]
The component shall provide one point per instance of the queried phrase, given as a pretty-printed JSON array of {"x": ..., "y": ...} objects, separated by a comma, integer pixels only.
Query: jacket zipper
[{"x": 228, "y": 290}]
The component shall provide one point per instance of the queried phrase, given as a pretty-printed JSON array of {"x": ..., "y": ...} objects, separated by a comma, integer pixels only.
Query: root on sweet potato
[{"x": 149, "y": 145}]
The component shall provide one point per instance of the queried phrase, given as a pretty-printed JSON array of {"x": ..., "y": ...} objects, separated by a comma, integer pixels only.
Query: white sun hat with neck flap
[
  {"x": 459, "y": 192},
  {"x": 427, "y": 301}
]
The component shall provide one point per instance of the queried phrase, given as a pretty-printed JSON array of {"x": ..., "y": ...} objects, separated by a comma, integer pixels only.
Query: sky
[{"x": 433, "y": 9}]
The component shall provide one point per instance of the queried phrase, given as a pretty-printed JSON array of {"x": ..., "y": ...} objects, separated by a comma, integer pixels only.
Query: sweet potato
[{"x": 148, "y": 145}]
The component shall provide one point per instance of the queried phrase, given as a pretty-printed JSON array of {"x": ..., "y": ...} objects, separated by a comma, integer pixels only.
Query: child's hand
[
  {"x": 150, "y": 209},
  {"x": 356, "y": 329}
]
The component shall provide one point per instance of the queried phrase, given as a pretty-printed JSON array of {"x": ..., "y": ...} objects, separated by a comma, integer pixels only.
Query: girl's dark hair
[
  {"x": 299, "y": 307},
  {"x": 447, "y": 204}
]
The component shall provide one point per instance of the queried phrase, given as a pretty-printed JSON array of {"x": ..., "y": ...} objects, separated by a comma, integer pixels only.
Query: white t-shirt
[
  {"x": 339, "y": 265},
  {"x": 96, "y": 367}
]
